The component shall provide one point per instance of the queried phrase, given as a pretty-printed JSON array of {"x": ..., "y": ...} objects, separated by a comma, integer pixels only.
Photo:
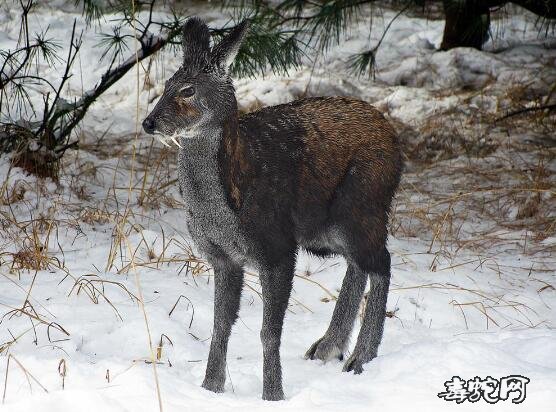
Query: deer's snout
[{"x": 149, "y": 125}]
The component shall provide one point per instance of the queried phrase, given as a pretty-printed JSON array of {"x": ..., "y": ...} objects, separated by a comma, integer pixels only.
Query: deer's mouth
[{"x": 165, "y": 139}]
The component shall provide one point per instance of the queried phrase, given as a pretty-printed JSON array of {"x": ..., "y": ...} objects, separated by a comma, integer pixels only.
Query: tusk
[
  {"x": 175, "y": 141},
  {"x": 164, "y": 142}
]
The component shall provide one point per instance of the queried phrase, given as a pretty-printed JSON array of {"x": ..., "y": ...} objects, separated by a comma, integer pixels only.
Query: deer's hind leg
[
  {"x": 360, "y": 217},
  {"x": 366, "y": 237},
  {"x": 370, "y": 334},
  {"x": 335, "y": 340}
]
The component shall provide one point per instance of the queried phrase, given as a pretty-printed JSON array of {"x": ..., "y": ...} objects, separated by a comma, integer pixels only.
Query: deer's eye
[{"x": 187, "y": 91}]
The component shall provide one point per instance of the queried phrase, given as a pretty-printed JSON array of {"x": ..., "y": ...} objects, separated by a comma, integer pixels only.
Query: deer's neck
[
  {"x": 212, "y": 164},
  {"x": 208, "y": 190}
]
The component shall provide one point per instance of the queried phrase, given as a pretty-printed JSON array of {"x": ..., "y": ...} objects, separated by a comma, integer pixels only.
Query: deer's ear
[
  {"x": 224, "y": 53},
  {"x": 195, "y": 42}
]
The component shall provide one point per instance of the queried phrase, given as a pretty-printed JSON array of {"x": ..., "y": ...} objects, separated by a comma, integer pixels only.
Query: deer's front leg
[
  {"x": 276, "y": 286},
  {"x": 228, "y": 283}
]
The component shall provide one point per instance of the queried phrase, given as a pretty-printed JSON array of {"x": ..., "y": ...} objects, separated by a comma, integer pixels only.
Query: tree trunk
[
  {"x": 467, "y": 24},
  {"x": 468, "y": 21},
  {"x": 542, "y": 8}
]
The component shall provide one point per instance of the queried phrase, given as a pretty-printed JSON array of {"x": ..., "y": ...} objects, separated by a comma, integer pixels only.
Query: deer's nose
[{"x": 148, "y": 125}]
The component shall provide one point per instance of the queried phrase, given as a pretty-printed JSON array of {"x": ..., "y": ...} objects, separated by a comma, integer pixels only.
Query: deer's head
[{"x": 200, "y": 94}]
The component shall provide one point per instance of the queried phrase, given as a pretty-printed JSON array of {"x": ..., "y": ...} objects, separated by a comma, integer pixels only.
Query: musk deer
[{"x": 317, "y": 173}]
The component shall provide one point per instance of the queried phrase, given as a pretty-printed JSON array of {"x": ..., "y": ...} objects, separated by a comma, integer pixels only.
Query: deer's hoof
[
  {"x": 356, "y": 361},
  {"x": 325, "y": 350}
]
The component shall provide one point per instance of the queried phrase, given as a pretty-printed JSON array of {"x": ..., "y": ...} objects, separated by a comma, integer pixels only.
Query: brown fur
[
  {"x": 343, "y": 133},
  {"x": 186, "y": 109},
  {"x": 235, "y": 157},
  {"x": 341, "y": 140}
]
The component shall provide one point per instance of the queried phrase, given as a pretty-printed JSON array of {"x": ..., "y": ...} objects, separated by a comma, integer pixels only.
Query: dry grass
[
  {"x": 453, "y": 217},
  {"x": 36, "y": 212},
  {"x": 28, "y": 376},
  {"x": 94, "y": 287},
  {"x": 473, "y": 179}
]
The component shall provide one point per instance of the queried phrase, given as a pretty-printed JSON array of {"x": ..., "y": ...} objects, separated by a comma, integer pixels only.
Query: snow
[{"x": 462, "y": 311}]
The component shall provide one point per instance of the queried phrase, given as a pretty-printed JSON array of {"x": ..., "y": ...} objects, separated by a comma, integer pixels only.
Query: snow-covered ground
[{"x": 473, "y": 286}]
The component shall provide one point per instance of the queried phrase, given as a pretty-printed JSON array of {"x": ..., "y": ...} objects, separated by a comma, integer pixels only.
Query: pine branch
[
  {"x": 548, "y": 107},
  {"x": 59, "y": 116},
  {"x": 262, "y": 49},
  {"x": 150, "y": 44},
  {"x": 543, "y": 8},
  {"x": 366, "y": 61},
  {"x": 75, "y": 45},
  {"x": 92, "y": 10}
]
